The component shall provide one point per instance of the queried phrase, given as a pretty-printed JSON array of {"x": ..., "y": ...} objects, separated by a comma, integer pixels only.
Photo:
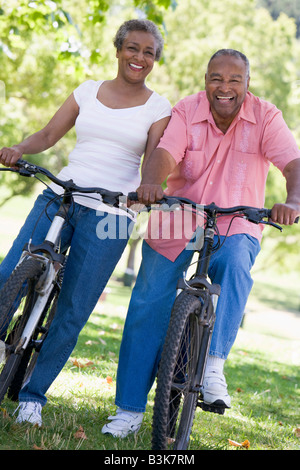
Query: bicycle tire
[
  {"x": 177, "y": 393},
  {"x": 20, "y": 282}
]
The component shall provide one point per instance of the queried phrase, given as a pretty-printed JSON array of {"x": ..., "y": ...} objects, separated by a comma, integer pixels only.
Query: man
[{"x": 217, "y": 148}]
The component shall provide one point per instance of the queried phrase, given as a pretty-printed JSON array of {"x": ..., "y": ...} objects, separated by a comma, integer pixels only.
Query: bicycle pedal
[{"x": 213, "y": 408}]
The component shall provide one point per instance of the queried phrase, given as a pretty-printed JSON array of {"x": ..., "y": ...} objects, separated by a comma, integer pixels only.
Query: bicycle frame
[
  {"x": 186, "y": 348},
  {"x": 41, "y": 267},
  {"x": 48, "y": 252},
  {"x": 200, "y": 281},
  {"x": 200, "y": 286}
]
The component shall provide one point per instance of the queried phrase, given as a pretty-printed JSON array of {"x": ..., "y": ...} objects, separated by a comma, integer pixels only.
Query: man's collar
[
  {"x": 203, "y": 112},
  {"x": 246, "y": 112}
]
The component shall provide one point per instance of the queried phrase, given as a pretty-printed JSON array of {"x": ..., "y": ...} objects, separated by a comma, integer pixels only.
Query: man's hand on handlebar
[
  {"x": 149, "y": 193},
  {"x": 285, "y": 214}
]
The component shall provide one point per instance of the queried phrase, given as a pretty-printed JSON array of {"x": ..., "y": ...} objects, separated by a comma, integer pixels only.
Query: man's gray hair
[
  {"x": 139, "y": 25},
  {"x": 233, "y": 53}
]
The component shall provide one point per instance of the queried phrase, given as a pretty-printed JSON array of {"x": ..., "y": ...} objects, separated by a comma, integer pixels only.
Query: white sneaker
[
  {"x": 124, "y": 423},
  {"x": 30, "y": 412},
  {"x": 214, "y": 390}
]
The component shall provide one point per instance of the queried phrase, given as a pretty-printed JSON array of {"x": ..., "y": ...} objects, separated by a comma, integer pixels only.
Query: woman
[{"x": 116, "y": 121}]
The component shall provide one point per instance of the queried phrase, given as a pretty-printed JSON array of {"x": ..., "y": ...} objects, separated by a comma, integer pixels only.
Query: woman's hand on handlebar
[{"x": 9, "y": 156}]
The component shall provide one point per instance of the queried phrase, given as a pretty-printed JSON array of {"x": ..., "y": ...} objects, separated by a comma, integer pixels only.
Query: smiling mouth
[
  {"x": 136, "y": 67},
  {"x": 225, "y": 98}
]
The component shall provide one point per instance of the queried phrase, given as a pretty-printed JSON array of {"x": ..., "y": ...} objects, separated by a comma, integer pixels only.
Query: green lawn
[{"x": 262, "y": 373}]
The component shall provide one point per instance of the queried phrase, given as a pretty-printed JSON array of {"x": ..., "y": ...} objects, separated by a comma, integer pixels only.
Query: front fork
[
  {"x": 197, "y": 286},
  {"x": 205, "y": 342},
  {"x": 36, "y": 313},
  {"x": 52, "y": 263}
]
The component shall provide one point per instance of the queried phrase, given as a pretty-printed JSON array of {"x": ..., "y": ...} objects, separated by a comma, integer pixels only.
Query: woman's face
[{"x": 137, "y": 56}]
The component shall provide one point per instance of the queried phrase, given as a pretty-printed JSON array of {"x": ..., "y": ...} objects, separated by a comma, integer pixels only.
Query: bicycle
[
  {"x": 183, "y": 360},
  {"x": 36, "y": 280}
]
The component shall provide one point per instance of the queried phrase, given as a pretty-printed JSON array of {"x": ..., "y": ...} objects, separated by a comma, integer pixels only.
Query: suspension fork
[
  {"x": 50, "y": 244},
  {"x": 206, "y": 251},
  {"x": 59, "y": 220},
  {"x": 53, "y": 262},
  {"x": 202, "y": 272}
]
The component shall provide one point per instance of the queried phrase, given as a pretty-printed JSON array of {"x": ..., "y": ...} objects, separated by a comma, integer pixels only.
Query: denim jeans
[
  {"x": 90, "y": 264},
  {"x": 150, "y": 308}
]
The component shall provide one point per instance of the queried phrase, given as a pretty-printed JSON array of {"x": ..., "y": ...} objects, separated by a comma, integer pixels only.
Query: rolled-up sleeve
[{"x": 278, "y": 144}]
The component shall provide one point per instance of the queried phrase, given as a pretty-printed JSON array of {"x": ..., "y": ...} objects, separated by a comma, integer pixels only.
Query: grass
[{"x": 262, "y": 372}]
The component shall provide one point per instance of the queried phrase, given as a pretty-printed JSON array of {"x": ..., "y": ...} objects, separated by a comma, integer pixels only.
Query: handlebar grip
[
  {"x": 20, "y": 162},
  {"x": 133, "y": 196}
]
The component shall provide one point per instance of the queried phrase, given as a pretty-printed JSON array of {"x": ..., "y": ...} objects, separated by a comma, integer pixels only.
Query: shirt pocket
[
  {"x": 244, "y": 178},
  {"x": 193, "y": 164},
  {"x": 246, "y": 166}
]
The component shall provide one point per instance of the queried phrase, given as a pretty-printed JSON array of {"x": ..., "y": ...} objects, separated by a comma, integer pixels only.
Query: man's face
[{"x": 226, "y": 85}]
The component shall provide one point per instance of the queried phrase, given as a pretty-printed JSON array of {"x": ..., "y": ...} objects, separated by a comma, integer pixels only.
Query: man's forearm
[
  {"x": 292, "y": 175},
  {"x": 158, "y": 167},
  {"x": 288, "y": 212},
  {"x": 154, "y": 172}
]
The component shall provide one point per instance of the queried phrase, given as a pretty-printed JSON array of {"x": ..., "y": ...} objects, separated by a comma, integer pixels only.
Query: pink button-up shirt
[{"x": 228, "y": 169}]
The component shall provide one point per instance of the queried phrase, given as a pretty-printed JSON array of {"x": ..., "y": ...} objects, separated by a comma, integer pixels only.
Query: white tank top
[{"x": 110, "y": 144}]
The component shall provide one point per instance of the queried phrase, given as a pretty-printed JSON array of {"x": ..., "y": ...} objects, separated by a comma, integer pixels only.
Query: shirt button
[{"x": 211, "y": 182}]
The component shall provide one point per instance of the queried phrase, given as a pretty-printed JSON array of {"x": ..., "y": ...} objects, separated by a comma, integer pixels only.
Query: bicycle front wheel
[
  {"x": 179, "y": 375},
  {"x": 29, "y": 358},
  {"x": 17, "y": 298}
]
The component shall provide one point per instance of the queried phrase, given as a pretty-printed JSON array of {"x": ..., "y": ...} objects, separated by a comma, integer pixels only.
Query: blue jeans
[
  {"x": 90, "y": 264},
  {"x": 150, "y": 308}
]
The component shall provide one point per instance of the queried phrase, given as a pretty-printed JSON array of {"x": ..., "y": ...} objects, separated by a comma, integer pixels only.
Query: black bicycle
[
  {"x": 29, "y": 297},
  {"x": 183, "y": 360}
]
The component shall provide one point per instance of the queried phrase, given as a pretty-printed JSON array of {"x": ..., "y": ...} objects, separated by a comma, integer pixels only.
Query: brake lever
[
  {"x": 256, "y": 217},
  {"x": 272, "y": 224},
  {"x": 112, "y": 199}
]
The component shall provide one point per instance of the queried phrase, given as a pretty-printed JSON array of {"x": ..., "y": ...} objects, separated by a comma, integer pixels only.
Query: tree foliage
[
  {"x": 47, "y": 48},
  {"x": 290, "y": 7}
]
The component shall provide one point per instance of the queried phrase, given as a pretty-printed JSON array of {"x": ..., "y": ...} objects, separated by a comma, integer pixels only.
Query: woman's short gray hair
[{"x": 139, "y": 25}]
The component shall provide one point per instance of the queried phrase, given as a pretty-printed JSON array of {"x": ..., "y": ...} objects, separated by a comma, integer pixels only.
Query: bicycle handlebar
[
  {"x": 252, "y": 214},
  {"x": 30, "y": 170},
  {"x": 112, "y": 198}
]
